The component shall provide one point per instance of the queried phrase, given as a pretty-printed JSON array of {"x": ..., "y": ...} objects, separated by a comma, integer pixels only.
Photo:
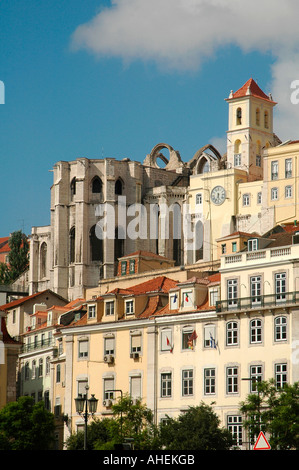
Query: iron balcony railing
[
  {"x": 34, "y": 345},
  {"x": 258, "y": 301}
]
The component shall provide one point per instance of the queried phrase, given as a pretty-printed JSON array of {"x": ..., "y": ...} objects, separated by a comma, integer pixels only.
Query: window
[
  {"x": 257, "y": 116},
  {"x": 223, "y": 248},
  {"x": 252, "y": 244},
  {"x": 109, "y": 344},
  {"x": 288, "y": 168},
  {"x": 108, "y": 386},
  {"x": 239, "y": 116},
  {"x": 132, "y": 266},
  {"x": 40, "y": 367},
  {"x": 234, "y": 425},
  {"x": 255, "y": 290},
  {"x": 255, "y": 331},
  {"x": 58, "y": 373},
  {"x": 187, "y": 299},
  {"x": 73, "y": 187},
  {"x": 48, "y": 365},
  {"x": 96, "y": 245},
  {"x": 198, "y": 198},
  {"x": 209, "y": 381},
  {"x": 83, "y": 349},
  {"x": 274, "y": 170},
  {"x": 288, "y": 192},
  {"x": 246, "y": 199},
  {"x": 232, "y": 380},
  {"x": 266, "y": 119},
  {"x": 81, "y": 386},
  {"x": 91, "y": 311},
  {"x": 129, "y": 307},
  {"x": 280, "y": 375},
  {"x": 232, "y": 333},
  {"x": 34, "y": 369},
  {"x": 173, "y": 301},
  {"x": 72, "y": 245},
  {"x": 109, "y": 307},
  {"x": 119, "y": 187},
  {"x": 166, "y": 340},
  {"x": 187, "y": 382},
  {"x": 232, "y": 292},
  {"x": 274, "y": 194},
  {"x": 210, "y": 336},
  {"x": 258, "y": 160},
  {"x": 27, "y": 371},
  {"x": 123, "y": 268},
  {"x": 280, "y": 329},
  {"x": 259, "y": 197},
  {"x": 166, "y": 383},
  {"x": 234, "y": 247},
  {"x": 214, "y": 296},
  {"x": 280, "y": 286},
  {"x": 96, "y": 185},
  {"x": 43, "y": 260},
  {"x": 135, "y": 386},
  {"x": 188, "y": 337},
  {"x": 256, "y": 375},
  {"x": 135, "y": 343},
  {"x": 237, "y": 159}
]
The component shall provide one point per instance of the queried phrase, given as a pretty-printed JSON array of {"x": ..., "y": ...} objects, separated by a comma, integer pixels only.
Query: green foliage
[
  {"x": 196, "y": 429},
  {"x": 17, "y": 258},
  {"x": 25, "y": 425},
  {"x": 275, "y": 411}
]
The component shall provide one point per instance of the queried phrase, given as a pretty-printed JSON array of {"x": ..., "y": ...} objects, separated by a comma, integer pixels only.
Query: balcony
[
  {"x": 283, "y": 299},
  {"x": 267, "y": 255},
  {"x": 37, "y": 345}
]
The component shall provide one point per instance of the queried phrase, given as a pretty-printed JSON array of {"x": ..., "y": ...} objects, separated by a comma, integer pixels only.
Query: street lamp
[{"x": 91, "y": 404}]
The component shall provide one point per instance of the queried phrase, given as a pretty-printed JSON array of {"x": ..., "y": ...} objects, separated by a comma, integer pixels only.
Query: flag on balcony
[
  {"x": 169, "y": 344},
  {"x": 212, "y": 342}
]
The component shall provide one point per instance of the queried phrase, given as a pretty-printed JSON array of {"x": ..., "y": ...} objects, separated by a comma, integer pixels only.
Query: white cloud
[{"x": 180, "y": 34}]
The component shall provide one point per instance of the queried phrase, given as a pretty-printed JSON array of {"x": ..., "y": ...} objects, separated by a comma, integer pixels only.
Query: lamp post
[{"x": 91, "y": 404}]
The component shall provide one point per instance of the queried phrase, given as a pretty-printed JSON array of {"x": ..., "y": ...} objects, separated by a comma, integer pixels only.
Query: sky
[{"x": 101, "y": 78}]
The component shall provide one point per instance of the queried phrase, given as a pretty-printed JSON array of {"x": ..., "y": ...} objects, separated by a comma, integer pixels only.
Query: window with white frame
[
  {"x": 40, "y": 367},
  {"x": 280, "y": 375},
  {"x": 232, "y": 292},
  {"x": 83, "y": 348},
  {"x": 135, "y": 343},
  {"x": 108, "y": 388},
  {"x": 280, "y": 286},
  {"x": 259, "y": 197},
  {"x": 174, "y": 301},
  {"x": 91, "y": 311},
  {"x": 255, "y": 331},
  {"x": 135, "y": 386},
  {"x": 274, "y": 194},
  {"x": 129, "y": 304},
  {"x": 198, "y": 198},
  {"x": 234, "y": 425},
  {"x": 256, "y": 376},
  {"x": 252, "y": 244},
  {"x": 237, "y": 159},
  {"x": 288, "y": 168},
  {"x": 166, "y": 339},
  {"x": 274, "y": 170},
  {"x": 210, "y": 336},
  {"x": 280, "y": 328},
  {"x": 214, "y": 296},
  {"x": 209, "y": 381},
  {"x": 288, "y": 192},
  {"x": 166, "y": 384},
  {"x": 246, "y": 199},
  {"x": 187, "y": 382},
  {"x": 48, "y": 365},
  {"x": 231, "y": 380},
  {"x": 187, "y": 298},
  {"x": 232, "y": 333},
  {"x": 255, "y": 290},
  {"x": 109, "y": 307},
  {"x": 186, "y": 334},
  {"x": 109, "y": 345}
]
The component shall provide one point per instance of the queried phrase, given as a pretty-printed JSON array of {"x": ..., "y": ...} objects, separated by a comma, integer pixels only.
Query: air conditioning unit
[
  {"x": 107, "y": 403},
  {"x": 109, "y": 358}
]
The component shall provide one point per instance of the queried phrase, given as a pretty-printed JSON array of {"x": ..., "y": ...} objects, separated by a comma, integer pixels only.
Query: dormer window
[
  {"x": 91, "y": 311},
  {"x": 129, "y": 307},
  {"x": 174, "y": 301},
  {"x": 187, "y": 298},
  {"x": 252, "y": 244},
  {"x": 109, "y": 308}
]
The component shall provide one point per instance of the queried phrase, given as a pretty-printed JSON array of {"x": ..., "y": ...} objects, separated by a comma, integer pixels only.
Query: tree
[
  {"x": 196, "y": 429},
  {"x": 25, "y": 425},
  {"x": 276, "y": 411},
  {"x": 17, "y": 258}
]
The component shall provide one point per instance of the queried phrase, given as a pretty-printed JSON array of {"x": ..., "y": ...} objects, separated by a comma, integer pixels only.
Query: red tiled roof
[
  {"x": 4, "y": 247},
  {"x": 254, "y": 91},
  {"x": 159, "y": 284},
  {"x": 17, "y": 302}
]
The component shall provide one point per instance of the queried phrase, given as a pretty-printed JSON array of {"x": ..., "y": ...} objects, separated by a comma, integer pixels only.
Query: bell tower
[{"x": 250, "y": 128}]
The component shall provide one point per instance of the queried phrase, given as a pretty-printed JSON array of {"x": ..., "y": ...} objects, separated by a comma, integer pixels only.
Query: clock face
[{"x": 218, "y": 195}]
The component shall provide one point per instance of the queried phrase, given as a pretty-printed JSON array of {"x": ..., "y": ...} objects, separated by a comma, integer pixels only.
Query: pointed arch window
[
  {"x": 266, "y": 119},
  {"x": 96, "y": 245},
  {"x": 72, "y": 245},
  {"x": 73, "y": 187},
  {"x": 43, "y": 260},
  {"x": 119, "y": 187},
  {"x": 96, "y": 185}
]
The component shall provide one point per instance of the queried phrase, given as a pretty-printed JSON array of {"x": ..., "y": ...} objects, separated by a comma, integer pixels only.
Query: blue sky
[{"x": 76, "y": 87}]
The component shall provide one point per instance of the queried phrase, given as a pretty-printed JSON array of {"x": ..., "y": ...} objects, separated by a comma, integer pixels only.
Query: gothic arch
[
  {"x": 174, "y": 161},
  {"x": 205, "y": 159}
]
